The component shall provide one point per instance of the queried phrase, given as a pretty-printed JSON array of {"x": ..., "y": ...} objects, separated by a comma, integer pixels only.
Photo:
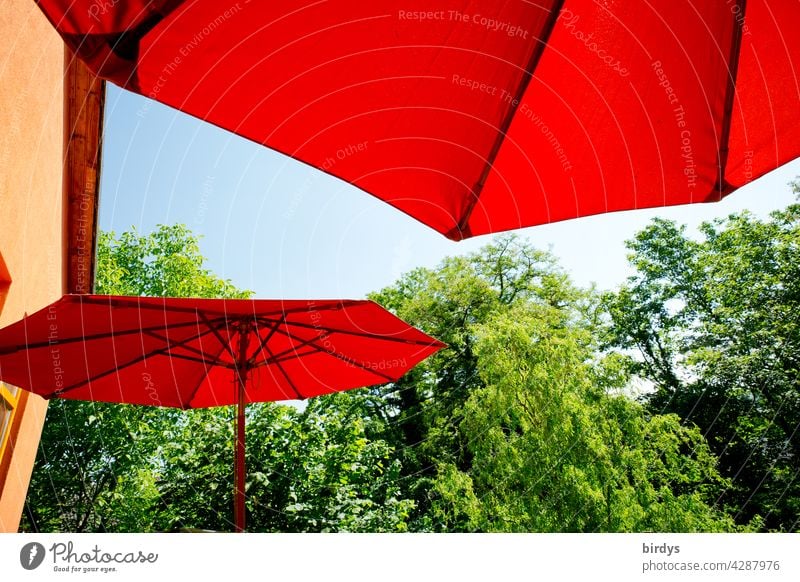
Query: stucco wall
[{"x": 31, "y": 201}]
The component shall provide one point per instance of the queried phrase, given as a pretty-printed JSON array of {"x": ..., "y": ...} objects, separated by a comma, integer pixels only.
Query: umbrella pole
[{"x": 240, "y": 379}]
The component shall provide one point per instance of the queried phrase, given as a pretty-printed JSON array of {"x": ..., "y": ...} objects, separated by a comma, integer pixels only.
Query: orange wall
[{"x": 32, "y": 239}]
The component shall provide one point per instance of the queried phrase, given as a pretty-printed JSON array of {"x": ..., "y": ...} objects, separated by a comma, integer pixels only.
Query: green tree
[
  {"x": 519, "y": 426},
  {"x": 554, "y": 449},
  {"x": 89, "y": 474},
  {"x": 334, "y": 477},
  {"x": 165, "y": 263},
  {"x": 307, "y": 471},
  {"x": 714, "y": 325},
  {"x": 423, "y": 410}
]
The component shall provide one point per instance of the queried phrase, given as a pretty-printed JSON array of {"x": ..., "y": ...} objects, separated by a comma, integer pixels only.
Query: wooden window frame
[{"x": 13, "y": 401}]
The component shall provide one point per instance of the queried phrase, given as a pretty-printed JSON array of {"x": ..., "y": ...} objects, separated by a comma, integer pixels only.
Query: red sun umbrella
[
  {"x": 476, "y": 116},
  {"x": 186, "y": 352}
]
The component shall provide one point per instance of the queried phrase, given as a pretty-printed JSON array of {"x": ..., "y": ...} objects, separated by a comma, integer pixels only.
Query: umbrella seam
[
  {"x": 284, "y": 357},
  {"x": 462, "y": 229},
  {"x": 203, "y": 355},
  {"x": 224, "y": 322},
  {"x": 730, "y": 96}
]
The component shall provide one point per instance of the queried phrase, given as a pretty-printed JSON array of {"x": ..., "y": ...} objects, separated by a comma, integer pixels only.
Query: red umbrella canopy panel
[
  {"x": 475, "y": 116},
  {"x": 185, "y": 352}
]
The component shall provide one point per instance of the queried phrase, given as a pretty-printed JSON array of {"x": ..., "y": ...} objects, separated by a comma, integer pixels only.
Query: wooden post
[{"x": 240, "y": 381}]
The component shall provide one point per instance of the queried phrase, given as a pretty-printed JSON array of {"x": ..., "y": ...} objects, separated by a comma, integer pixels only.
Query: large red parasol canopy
[
  {"x": 194, "y": 353},
  {"x": 476, "y": 116}
]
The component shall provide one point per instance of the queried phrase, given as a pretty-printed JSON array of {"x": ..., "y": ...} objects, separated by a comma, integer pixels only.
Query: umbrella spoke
[
  {"x": 222, "y": 323},
  {"x": 88, "y": 338},
  {"x": 292, "y": 350},
  {"x": 375, "y": 336},
  {"x": 108, "y": 372},
  {"x": 196, "y": 389},
  {"x": 274, "y": 327},
  {"x": 200, "y": 360},
  {"x": 206, "y": 358},
  {"x": 285, "y": 375},
  {"x": 350, "y": 361},
  {"x": 286, "y": 356}
]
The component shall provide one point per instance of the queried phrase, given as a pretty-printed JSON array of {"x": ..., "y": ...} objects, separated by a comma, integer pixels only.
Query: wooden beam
[{"x": 83, "y": 131}]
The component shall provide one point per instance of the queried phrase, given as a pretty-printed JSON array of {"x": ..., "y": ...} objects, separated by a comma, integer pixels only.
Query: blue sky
[{"x": 285, "y": 230}]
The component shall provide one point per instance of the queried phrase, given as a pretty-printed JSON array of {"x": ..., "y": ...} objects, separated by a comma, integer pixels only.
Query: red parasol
[
  {"x": 185, "y": 352},
  {"x": 476, "y": 116}
]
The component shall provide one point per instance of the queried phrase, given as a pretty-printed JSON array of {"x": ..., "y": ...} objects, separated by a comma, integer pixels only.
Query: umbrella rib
[
  {"x": 533, "y": 62},
  {"x": 251, "y": 360},
  {"x": 285, "y": 375},
  {"x": 214, "y": 360},
  {"x": 339, "y": 356},
  {"x": 285, "y": 357},
  {"x": 89, "y": 338},
  {"x": 225, "y": 344},
  {"x": 196, "y": 359},
  {"x": 136, "y": 360},
  {"x": 375, "y": 336},
  {"x": 280, "y": 355},
  {"x": 200, "y": 383},
  {"x": 730, "y": 94}
]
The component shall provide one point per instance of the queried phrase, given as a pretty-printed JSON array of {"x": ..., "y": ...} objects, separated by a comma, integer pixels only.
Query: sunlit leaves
[{"x": 714, "y": 325}]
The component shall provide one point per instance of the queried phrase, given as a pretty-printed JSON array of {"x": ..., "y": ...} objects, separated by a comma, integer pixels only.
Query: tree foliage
[
  {"x": 714, "y": 326},
  {"x": 553, "y": 450},
  {"x": 520, "y": 426},
  {"x": 526, "y": 422}
]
